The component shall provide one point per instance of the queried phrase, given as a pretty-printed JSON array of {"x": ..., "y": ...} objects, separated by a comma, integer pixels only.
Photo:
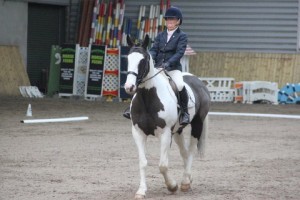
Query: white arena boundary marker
[
  {"x": 27, "y": 121},
  {"x": 255, "y": 115}
]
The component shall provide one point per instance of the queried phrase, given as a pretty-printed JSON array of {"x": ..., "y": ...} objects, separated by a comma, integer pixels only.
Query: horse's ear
[
  {"x": 146, "y": 42},
  {"x": 129, "y": 41}
]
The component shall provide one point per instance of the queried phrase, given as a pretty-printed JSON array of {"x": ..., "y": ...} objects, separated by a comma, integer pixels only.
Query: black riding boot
[
  {"x": 184, "y": 117},
  {"x": 126, "y": 113}
]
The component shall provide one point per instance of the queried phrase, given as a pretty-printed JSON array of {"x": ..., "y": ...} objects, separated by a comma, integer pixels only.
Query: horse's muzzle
[{"x": 130, "y": 88}]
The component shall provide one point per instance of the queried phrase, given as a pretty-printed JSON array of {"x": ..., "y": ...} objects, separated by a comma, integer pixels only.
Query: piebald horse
[{"x": 154, "y": 111}]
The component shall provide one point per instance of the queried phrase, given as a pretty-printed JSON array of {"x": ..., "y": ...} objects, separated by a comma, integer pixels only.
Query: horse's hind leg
[
  {"x": 140, "y": 140},
  {"x": 198, "y": 136},
  {"x": 187, "y": 150},
  {"x": 164, "y": 160},
  {"x": 180, "y": 141},
  {"x": 187, "y": 177}
]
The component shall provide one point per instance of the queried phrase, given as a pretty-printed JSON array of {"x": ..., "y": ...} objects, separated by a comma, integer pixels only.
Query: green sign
[
  {"x": 67, "y": 68},
  {"x": 95, "y": 74}
]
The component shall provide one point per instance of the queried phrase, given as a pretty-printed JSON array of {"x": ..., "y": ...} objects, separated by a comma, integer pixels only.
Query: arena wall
[{"x": 243, "y": 66}]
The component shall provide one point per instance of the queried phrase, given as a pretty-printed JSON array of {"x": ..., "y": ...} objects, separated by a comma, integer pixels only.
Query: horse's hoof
[
  {"x": 173, "y": 189},
  {"x": 139, "y": 196},
  {"x": 185, "y": 187}
]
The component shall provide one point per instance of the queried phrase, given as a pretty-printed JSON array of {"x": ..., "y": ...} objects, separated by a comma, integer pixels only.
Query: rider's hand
[{"x": 166, "y": 66}]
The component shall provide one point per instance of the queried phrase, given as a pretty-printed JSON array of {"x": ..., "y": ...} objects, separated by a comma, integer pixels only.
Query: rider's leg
[
  {"x": 185, "y": 117},
  {"x": 176, "y": 75}
]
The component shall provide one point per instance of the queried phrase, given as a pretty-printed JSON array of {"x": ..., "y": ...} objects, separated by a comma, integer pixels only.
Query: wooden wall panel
[{"x": 280, "y": 68}]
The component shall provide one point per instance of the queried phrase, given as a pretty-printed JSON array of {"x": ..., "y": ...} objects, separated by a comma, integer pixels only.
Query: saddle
[
  {"x": 172, "y": 84},
  {"x": 175, "y": 89}
]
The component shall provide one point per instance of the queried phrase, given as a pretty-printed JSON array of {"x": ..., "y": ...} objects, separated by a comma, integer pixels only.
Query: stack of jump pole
[
  {"x": 103, "y": 22},
  {"x": 154, "y": 23}
]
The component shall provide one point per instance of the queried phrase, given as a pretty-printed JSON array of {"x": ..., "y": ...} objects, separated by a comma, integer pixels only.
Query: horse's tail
[{"x": 202, "y": 140}]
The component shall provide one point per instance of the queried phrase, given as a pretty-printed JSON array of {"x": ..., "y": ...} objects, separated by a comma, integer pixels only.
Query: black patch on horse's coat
[
  {"x": 202, "y": 103},
  {"x": 144, "y": 110}
]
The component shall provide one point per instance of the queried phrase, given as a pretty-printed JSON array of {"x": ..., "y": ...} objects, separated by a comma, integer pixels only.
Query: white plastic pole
[
  {"x": 256, "y": 115},
  {"x": 27, "y": 121}
]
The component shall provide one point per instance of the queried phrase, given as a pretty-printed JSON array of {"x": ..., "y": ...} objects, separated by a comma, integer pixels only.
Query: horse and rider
[
  {"x": 154, "y": 106},
  {"x": 168, "y": 48}
]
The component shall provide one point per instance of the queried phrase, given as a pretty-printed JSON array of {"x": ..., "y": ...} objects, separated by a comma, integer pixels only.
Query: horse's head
[{"x": 138, "y": 64}]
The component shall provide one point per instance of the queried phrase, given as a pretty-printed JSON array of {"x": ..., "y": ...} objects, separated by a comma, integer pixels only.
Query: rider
[{"x": 168, "y": 48}]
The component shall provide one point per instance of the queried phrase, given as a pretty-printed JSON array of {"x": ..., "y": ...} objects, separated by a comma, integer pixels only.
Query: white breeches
[{"x": 176, "y": 75}]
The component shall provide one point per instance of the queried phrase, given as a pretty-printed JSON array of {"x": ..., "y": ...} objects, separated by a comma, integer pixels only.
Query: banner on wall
[
  {"x": 95, "y": 71},
  {"x": 67, "y": 69}
]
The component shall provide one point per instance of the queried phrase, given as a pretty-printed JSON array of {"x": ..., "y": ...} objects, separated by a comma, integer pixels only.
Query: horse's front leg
[
  {"x": 166, "y": 138},
  {"x": 140, "y": 140}
]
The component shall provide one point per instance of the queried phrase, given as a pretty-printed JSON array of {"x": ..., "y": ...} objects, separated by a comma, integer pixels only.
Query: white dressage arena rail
[
  {"x": 253, "y": 91},
  {"x": 227, "y": 90},
  {"x": 220, "y": 89},
  {"x": 255, "y": 115}
]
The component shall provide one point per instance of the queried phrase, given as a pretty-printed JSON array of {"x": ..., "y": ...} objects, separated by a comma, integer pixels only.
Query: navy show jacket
[{"x": 171, "y": 51}]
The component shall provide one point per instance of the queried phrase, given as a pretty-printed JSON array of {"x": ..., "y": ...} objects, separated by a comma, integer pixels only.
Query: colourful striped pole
[
  {"x": 124, "y": 31},
  {"x": 104, "y": 23},
  {"x": 116, "y": 25},
  {"x": 109, "y": 22},
  {"x": 143, "y": 21},
  {"x": 151, "y": 16},
  {"x": 157, "y": 20},
  {"x": 97, "y": 27},
  {"x": 100, "y": 22},
  {"x": 122, "y": 11},
  {"x": 138, "y": 26},
  {"x": 94, "y": 23},
  {"x": 160, "y": 24},
  {"x": 168, "y": 4}
]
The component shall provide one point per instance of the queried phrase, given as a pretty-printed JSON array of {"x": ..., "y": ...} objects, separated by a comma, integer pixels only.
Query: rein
[
  {"x": 152, "y": 76},
  {"x": 143, "y": 81}
]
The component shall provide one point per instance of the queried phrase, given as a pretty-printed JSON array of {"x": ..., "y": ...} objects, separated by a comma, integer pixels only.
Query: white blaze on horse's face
[{"x": 133, "y": 64}]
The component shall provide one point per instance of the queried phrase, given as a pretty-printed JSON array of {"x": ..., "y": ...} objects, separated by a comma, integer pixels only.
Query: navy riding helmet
[{"x": 174, "y": 12}]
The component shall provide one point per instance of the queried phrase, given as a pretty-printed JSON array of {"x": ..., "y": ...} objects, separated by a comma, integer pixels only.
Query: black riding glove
[{"x": 166, "y": 66}]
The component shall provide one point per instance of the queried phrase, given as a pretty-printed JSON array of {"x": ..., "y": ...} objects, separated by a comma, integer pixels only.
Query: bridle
[{"x": 142, "y": 74}]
